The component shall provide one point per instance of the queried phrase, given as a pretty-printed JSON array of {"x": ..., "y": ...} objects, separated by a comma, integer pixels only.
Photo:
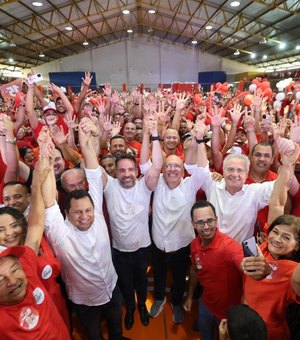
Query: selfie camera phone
[
  {"x": 249, "y": 247},
  {"x": 35, "y": 78}
]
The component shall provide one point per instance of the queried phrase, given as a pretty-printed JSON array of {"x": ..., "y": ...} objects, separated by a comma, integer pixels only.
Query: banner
[{"x": 10, "y": 90}]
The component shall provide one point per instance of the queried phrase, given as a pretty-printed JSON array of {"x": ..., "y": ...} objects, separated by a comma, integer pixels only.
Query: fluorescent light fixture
[
  {"x": 265, "y": 57},
  {"x": 152, "y": 11},
  {"x": 41, "y": 55},
  {"x": 263, "y": 41},
  {"x": 130, "y": 30},
  {"x": 10, "y": 60},
  {"x": 37, "y": 4},
  {"x": 69, "y": 28},
  {"x": 126, "y": 11},
  {"x": 237, "y": 52},
  {"x": 252, "y": 55},
  {"x": 85, "y": 43},
  {"x": 298, "y": 47},
  {"x": 208, "y": 27},
  {"x": 282, "y": 45},
  {"x": 235, "y": 3},
  {"x": 12, "y": 44},
  {"x": 194, "y": 42}
]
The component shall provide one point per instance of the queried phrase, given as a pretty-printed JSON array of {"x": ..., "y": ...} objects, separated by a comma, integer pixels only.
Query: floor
[{"x": 160, "y": 328}]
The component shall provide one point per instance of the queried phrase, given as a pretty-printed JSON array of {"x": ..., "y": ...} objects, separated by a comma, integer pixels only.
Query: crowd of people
[{"x": 97, "y": 186}]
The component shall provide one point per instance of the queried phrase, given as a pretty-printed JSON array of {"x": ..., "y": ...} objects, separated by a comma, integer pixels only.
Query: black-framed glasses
[{"x": 210, "y": 222}]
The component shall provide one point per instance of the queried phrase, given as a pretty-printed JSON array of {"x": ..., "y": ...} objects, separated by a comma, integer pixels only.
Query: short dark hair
[
  {"x": 262, "y": 144},
  {"x": 76, "y": 195},
  {"x": 107, "y": 156},
  {"x": 244, "y": 323},
  {"x": 126, "y": 156},
  {"x": 18, "y": 216},
  {"x": 289, "y": 220},
  {"x": 23, "y": 149},
  {"x": 117, "y": 137},
  {"x": 202, "y": 204},
  {"x": 16, "y": 183}
]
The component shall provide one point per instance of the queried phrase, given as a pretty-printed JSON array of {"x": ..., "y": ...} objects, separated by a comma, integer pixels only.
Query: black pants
[
  {"x": 90, "y": 317},
  {"x": 179, "y": 262},
  {"x": 131, "y": 268}
]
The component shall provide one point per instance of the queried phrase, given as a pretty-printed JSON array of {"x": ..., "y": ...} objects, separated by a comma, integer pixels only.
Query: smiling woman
[{"x": 271, "y": 296}]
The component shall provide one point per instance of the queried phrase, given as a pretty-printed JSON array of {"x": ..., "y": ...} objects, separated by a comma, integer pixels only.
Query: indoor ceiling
[{"x": 257, "y": 30}]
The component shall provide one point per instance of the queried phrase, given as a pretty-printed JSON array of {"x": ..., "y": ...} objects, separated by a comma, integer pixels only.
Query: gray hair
[
  {"x": 72, "y": 171},
  {"x": 237, "y": 156}
]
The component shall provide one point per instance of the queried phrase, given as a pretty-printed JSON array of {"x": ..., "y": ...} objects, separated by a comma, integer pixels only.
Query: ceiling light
[
  {"x": 151, "y": 11},
  {"x": 265, "y": 57},
  {"x": 85, "y": 43},
  {"x": 282, "y": 45},
  {"x": 69, "y": 28},
  {"x": 10, "y": 60},
  {"x": 126, "y": 11},
  {"x": 194, "y": 42},
  {"x": 41, "y": 55},
  {"x": 263, "y": 41},
  {"x": 234, "y": 3},
  {"x": 150, "y": 30},
  {"x": 237, "y": 52},
  {"x": 12, "y": 44},
  {"x": 130, "y": 30},
  {"x": 208, "y": 27},
  {"x": 252, "y": 55},
  {"x": 37, "y": 4},
  {"x": 298, "y": 47}
]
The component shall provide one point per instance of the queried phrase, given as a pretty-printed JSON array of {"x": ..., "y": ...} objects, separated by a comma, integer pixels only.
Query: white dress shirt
[{"x": 87, "y": 267}]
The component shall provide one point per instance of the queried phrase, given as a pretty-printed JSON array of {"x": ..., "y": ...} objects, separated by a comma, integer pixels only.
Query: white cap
[{"x": 49, "y": 106}]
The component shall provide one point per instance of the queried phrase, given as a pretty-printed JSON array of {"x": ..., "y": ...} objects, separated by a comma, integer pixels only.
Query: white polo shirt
[
  {"x": 172, "y": 228},
  {"x": 237, "y": 213},
  {"x": 87, "y": 267},
  {"x": 128, "y": 214}
]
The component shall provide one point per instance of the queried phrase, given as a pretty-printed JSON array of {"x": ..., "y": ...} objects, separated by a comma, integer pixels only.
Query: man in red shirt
[
  {"x": 216, "y": 264},
  {"x": 26, "y": 309}
]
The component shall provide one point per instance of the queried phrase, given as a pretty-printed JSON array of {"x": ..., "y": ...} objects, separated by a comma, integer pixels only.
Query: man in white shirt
[
  {"x": 172, "y": 230},
  {"x": 128, "y": 201},
  {"x": 237, "y": 203},
  {"x": 82, "y": 244}
]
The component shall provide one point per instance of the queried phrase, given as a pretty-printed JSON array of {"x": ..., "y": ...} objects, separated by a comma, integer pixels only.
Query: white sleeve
[
  {"x": 94, "y": 178},
  {"x": 55, "y": 227}
]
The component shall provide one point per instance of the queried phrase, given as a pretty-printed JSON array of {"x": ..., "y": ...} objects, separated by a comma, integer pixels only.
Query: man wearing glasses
[{"x": 217, "y": 265}]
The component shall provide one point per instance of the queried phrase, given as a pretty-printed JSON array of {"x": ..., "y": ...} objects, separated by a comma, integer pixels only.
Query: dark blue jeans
[
  {"x": 131, "y": 268},
  {"x": 207, "y": 322},
  {"x": 90, "y": 317},
  {"x": 178, "y": 261}
]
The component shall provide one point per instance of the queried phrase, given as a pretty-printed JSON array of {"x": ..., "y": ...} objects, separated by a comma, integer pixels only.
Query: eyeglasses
[
  {"x": 210, "y": 222},
  {"x": 233, "y": 170},
  {"x": 173, "y": 166}
]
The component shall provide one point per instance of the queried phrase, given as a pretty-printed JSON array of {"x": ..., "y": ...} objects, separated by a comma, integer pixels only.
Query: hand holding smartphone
[{"x": 249, "y": 247}]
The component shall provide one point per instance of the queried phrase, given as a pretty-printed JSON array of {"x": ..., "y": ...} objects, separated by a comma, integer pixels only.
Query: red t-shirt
[
  {"x": 262, "y": 215},
  {"x": 49, "y": 269},
  {"x": 36, "y": 317},
  {"x": 136, "y": 146},
  {"x": 271, "y": 296},
  {"x": 218, "y": 271},
  {"x": 60, "y": 122}
]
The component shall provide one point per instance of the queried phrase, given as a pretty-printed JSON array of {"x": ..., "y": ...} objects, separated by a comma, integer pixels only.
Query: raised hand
[
  {"x": 107, "y": 125},
  {"x": 181, "y": 101},
  {"x": 236, "y": 113},
  {"x": 87, "y": 79},
  {"x": 249, "y": 123},
  {"x": 58, "y": 135},
  {"x": 116, "y": 128},
  {"x": 71, "y": 123},
  {"x": 216, "y": 118},
  {"x": 295, "y": 130},
  {"x": 107, "y": 90},
  {"x": 115, "y": 97}
]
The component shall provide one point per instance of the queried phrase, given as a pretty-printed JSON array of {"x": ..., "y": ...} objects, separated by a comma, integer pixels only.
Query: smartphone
[
  {"x": 35, "y": 78},
  {"x": 249, "y": 247}
]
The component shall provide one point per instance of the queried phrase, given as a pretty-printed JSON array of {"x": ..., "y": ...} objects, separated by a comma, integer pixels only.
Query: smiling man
[
  {"x": 26, "y": 309},
  {"x": 16, "y": 195}
]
